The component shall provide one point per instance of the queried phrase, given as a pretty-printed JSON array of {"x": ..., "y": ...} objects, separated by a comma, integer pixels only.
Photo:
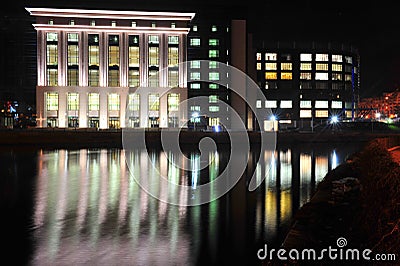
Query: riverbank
[
  {"x": 359, "y": 202},
  {"x": 85, "y": 138}
]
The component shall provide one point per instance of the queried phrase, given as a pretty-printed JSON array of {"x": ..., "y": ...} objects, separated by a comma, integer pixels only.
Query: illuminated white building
[{"x": 89, "y": 61}]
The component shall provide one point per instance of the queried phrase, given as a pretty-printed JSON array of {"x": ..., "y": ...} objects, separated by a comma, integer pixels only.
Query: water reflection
[{"x": 89, "y": 210}]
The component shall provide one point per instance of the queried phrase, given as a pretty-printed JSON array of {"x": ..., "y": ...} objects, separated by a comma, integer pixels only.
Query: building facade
[
  {"x": 91, "y": 62},
  {"x": 307, "y": 84}
]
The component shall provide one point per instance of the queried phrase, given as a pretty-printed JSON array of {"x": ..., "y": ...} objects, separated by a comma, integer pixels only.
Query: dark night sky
[{"x": 372, "y": 26}]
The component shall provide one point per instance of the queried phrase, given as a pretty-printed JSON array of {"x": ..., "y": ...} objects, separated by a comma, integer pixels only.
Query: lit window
[
  {"x": 321, "y": 57},
  {"x": 286, "y": 75},
  {"x": 258, "y": 66},
  {"x": 213, "y": 64},
  {"x": 321, "y": 113},
  {"x": 305, "y": 113},
  {"x": 153, "y": 39},
  {"x": 133, "y": 24},
  {"x": 194, "y": 28},
  {"x": 258, "y": 104},
  {"x": 52, "y": 37},
  {"x": 153, "y": 24},
  {"x": 270, "y": 104},
  {"x": 134, "y": 102},
  {"x": 305, "y": 66},
  {"x": 336, "y": 105},
  {"x": 214, "y": 28},
  {"x": 195, "y": 76},
  {"x": 336, "y": 76},
  {"x": 93, "y": 101},
  {"x": 336, "y": 67},
  {"x": 72, "y": 101},
  {"x": 286, "y": 66},
  {"x": 270, "y": 66},
  {"x": 305, "y": 104},
  {"x": 347, "y": 77},
  {"x": 321, "y": 104},
  {"x": 286, "y": 104},
  {"x": 173, "y": 25},
  {"x": 213, "y": 86},
  {"x": 305, "y": 57},
  {"x": 173, "y": 39},
  {"x": 213, "y": 76},
  {"x": 337, "y": 58},
  {"x": 52, "y": 101},
  {"x": 113, "y": 102},
  {"x": 173, "y": 102},
  {"x": 195, "y": 64},
  {"x": 349, "y": 114},
  {"x": 154, "y": 102},
  {"x": 92, "y": 23},
  {"x": 213, "y": 108},
  {"x": 195, "y": 108},
  {"x": 213, "y": 99},
  {"x": 305, "y": 76},
  {"x": 323, "y": 67},
  {"x": 271, "y": 56},
  {"x": 348, "y": 105},
  {"x": 213, "y": 42},
  {"x": 195, "y": 86},
  {"x": 348, "y": 59},
  {"x": 72, "y": 22},
  {"x": 213, "y": 53},
  {"x": 271, "y": 75},
  {"x": 113, "y": 23},
  {"x": 321, "y": 76},
  {"x": 258, "y": 56},
  {"x": 50, "y": 22}
]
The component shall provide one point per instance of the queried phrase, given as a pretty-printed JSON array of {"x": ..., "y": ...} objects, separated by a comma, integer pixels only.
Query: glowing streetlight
[{"x": 334, "y": 119}]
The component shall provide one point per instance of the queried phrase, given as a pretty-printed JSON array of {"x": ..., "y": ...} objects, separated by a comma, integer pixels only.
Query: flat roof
[{"x": 109, "y": 14}]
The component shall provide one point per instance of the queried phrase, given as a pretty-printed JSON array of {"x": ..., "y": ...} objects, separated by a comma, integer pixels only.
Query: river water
[{"x": 84, "y": 206}]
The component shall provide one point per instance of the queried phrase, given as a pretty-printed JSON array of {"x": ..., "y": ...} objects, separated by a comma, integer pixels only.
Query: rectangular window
[
  {"x": 52, "y": 54},
  {"x": 213, "y": 28},
  {"x": 134, "y": 56},
  {"x": 134, "y": 102},
  {"x": 72, "y": 77},
  {"x": 336, "y": 105},
  {"x": 113, "y": 102},
  {"x": 270, "y": 104},
  {"x": 321, "y": 104},
  {"x": 52, "y": 77},
  {"x": 286, "y": 104},
  {"x": 52, "y": 37},
  {"x": 336, "y": 67},
  {"x": 306, "y": 57},
  {"x": 347, "y": 77},
  {"x": 271, "y": 56},
  {"x": 113, "y": 78},
  {"x": 321, "y": 113},
  {"x": 213, "y": 42},
  {"x": 52, "y": 101},
  {"x": 323, "y": 67},
  {"x": 213, "y": 64},
  {"x": 258, "y": 66},
  {"x": 213, "y": 86},
  {"x": 337, "y": 58},
  {"x": 213, "y": 76},
  {"x": 195, "y": 108},
  {"x": 133, "y": 78},
  {"x": 213, "y": 108},
  {"x": 321, "y": 76},
  {"x": 321, "y": 57},
  {"x": 305, "y": 104},
  {"x": 173, "y": 56},
  {"x": 258, "y": 56},
  {"x": 194, "y": 28},
  {"x": 72, "y": 101},
  {"x": 195, "y": 64},
  {"x": 173, "y": 78},
  {"x": 305, "y": 113},
  {"x": 258, "y": 104},
  {"x": 93, "y": 101},
  {"x": 195, "y": 75},
  {"x": 153, "y": 78},
  {"x": 305, "y": 66},
  {"x": 336, "y": 76},
  {"x": 154, "y": 39},
  {"x": 305, "y": 76},
  {"x": 213, "y": 53},
  {"x": 173, "y": 102},
  {"x": 270, "y": 66},
  {"x": 195, "y": 42},
  {"x": 154, "y": 102},
  {"x": 195, "y": 86},
  {"x": 153, "y": 56},
  {"x": 213, "y": 99},
  {"x": 271, "y": 75},
  {"x": 286, "y": 66},
  {"x": 173, "y": 39},
  {"x": 286, "y": 75},
  {"x": 94, "y": 77},
  {"x": 348, "y": 59}
]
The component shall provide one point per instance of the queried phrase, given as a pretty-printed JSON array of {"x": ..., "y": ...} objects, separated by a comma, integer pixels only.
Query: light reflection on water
[{"x": 88, "y": 209}]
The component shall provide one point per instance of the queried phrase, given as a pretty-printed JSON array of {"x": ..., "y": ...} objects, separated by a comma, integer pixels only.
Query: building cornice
[{"x": 110, "y": 14}]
